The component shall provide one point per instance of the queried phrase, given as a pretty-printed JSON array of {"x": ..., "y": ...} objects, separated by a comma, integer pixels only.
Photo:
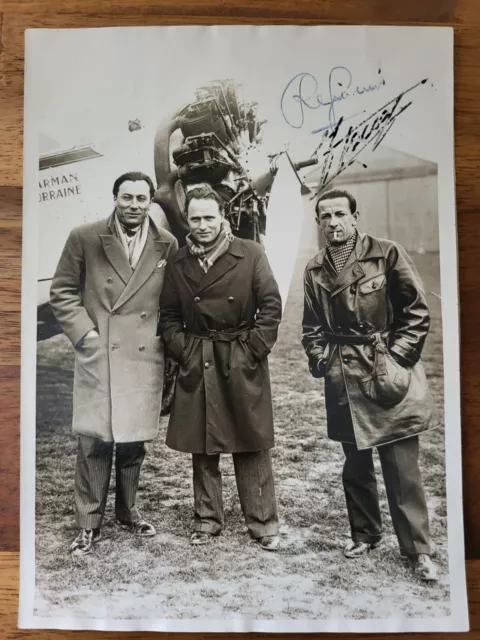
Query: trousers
[
  {"x": 404, "y": 488},
  {"x": 92, "y": 479},
  {"x": 256, "y": 491}
]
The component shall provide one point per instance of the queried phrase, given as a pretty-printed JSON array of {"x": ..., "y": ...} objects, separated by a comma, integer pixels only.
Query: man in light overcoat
[
  {"x": 364, "y": 326},
  {"x": 105, "y": 294},
  {"x": 220, "y": 312}
]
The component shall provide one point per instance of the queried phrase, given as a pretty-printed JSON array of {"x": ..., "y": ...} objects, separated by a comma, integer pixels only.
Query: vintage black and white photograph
[{"x": 240, "y": 379}]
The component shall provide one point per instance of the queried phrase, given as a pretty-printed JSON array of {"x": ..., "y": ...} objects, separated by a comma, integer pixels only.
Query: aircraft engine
[{"x": 217, "y": 139}]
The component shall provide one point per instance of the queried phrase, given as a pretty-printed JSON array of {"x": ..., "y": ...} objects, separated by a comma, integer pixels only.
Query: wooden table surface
[{"x": 17, "y": 15}]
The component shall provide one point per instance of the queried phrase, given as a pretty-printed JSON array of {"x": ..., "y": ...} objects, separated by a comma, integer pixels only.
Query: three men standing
[
  {"x": 220, "y": 312},
  {"x": 364, "y": 326},
  {"x": 218, "y": 309},
  {"x": 105, "y": 294}
]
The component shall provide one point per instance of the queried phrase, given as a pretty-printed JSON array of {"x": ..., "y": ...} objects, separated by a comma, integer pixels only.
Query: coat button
[
  {"x": 114, "y": 313},
  {"x": 109, "y": 280},
  {"x": 113, "y": 347},
  {"x": 143, "y": 314},
  {"x": 374, "y": 285},
  {"x": 207, "y": 365},
  {"x": 196, "y": 299},
  {"x": 231, "y": 299},
  {"x": 141, "y": 347}
]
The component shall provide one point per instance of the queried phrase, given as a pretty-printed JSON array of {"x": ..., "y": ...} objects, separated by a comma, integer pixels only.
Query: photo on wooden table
[{"x": 240, "y": 346}]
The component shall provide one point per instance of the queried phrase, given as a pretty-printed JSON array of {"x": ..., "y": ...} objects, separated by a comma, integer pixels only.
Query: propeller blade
[{"x": 285, "y": 215}]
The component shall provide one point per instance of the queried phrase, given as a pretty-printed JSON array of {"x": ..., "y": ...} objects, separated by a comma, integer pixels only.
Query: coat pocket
[
  {"x": 248, "y": 360},
  {"x": 188, "y": 349},
  {"x": 389, "y": 382},
  {"x": 88, "y": 347},
  {"x": 374, "y": 284}
]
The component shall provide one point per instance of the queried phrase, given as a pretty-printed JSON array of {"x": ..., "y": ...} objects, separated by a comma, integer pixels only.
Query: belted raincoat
[
  {"x": 220, "y": 326},
  {"x": 363, "y": 331}
]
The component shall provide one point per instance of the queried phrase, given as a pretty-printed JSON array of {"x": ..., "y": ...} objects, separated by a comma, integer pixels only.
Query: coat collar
[
  {"x": 197, "y": 276},
  {"x": 366, "y": 248},
  {"x": 115, "y": 252},
  {"x": 155, "y": 249}
]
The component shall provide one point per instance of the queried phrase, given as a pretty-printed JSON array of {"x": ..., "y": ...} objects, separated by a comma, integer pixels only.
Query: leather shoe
[
  {"x": 424, "y": 567},
  {"x": 269, "y": 543},
  {"x": 83, "y": 543},
  {"x": 354, "y": 549},
  {"x": 140, "y": 528},
  {"x": 200, "y": 537}
]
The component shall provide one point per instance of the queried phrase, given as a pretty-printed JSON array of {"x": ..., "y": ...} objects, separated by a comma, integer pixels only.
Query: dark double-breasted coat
[
  {"x": 118, "y": 377},
  {"x": 222, "y": 401},
  {"x": 378, "y": 292}
]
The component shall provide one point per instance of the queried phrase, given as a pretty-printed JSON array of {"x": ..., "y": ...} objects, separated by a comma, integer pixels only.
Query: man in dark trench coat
[
  {"x": 364, "y": 326},
  {"x": 220, "y": 310}
]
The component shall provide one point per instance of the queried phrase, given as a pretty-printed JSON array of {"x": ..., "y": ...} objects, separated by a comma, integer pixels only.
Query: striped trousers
[
  {"x": 256, "y": 491},
  {"x": 92, "y": 479}
]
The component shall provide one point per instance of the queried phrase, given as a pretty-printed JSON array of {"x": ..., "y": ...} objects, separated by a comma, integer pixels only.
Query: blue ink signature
[{"x": 302, "y": 93}]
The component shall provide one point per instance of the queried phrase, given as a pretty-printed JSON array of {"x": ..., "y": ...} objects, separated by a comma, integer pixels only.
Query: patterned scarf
[
  {"x": 208, "y": 255},
  {"x": 133, "y": 240},
  {"x": 340, "y": 253}
]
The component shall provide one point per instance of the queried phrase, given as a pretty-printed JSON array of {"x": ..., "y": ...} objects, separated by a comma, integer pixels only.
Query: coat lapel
[
  {"x": 222, "y": 265},
  {"x": 327, "y": 275},
  {"x": 192, "y": 270},
  {"x": 115, "y": 252},
  {"x": 217, "y": 270},
  {"x": 196, "y": 276},
  {"x": 152, "y": 253},
  {"x": 351, "y": 272}
]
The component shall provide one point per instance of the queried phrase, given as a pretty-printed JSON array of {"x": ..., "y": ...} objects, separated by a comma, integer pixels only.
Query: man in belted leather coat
[
  {"x": 364, "y": 326},
  {"x": 220, "y": 310}
]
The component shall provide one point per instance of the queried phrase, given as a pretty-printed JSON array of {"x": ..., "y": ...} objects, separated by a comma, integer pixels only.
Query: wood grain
[
  {"x": 16, "y": 16},
  {"x": 348, "y": 11}
]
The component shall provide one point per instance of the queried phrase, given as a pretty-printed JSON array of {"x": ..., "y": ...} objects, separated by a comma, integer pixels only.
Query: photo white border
[{"x": 458, "y": 620}]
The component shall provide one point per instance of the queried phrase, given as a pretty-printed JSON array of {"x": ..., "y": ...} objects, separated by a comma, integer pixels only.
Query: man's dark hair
[
  {"x": 134, "y": 176},
  {"x": 203, "y": 192},
  {"x": 338, "y": 193}
]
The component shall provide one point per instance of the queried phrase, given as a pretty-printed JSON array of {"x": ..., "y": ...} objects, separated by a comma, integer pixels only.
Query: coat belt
[
  {"x": 369, "y": 338},
  {"x": 229, "y": 335}
]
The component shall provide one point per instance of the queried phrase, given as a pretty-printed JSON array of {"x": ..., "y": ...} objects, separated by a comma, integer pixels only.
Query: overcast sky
[{"x": 86, "y": 84}]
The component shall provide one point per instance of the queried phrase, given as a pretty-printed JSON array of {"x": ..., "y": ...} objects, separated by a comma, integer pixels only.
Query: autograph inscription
[
  {"x": 302, "y": 94},
  {"x": 338, "y": 152}
]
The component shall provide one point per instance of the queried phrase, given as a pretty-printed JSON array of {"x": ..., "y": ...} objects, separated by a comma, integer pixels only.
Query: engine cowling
[{"x": 216, "y": 140}]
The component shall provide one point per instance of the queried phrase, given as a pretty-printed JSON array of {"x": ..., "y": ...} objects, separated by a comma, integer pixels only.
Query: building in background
[{"x": 396, "y": 195}]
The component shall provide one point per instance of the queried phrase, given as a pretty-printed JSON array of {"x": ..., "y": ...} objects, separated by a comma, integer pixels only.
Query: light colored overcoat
[{"x": 119, "y": 375}]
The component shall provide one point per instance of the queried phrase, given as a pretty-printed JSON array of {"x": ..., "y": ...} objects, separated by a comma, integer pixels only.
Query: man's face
[
  {"x": 204, "y": 219},
  {"x": 336, "y": 220},
  {"x": 132, "y": 202}
]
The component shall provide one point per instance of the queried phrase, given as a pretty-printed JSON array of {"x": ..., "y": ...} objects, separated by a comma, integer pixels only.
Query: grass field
[{"x": 164, "y": 577}]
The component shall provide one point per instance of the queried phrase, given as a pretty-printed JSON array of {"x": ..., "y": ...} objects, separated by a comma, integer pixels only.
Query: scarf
[
  {"x": 340, "y": 253},
  {"x": 133, "y": 242},
  {"x": 208, "y": 255}
]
